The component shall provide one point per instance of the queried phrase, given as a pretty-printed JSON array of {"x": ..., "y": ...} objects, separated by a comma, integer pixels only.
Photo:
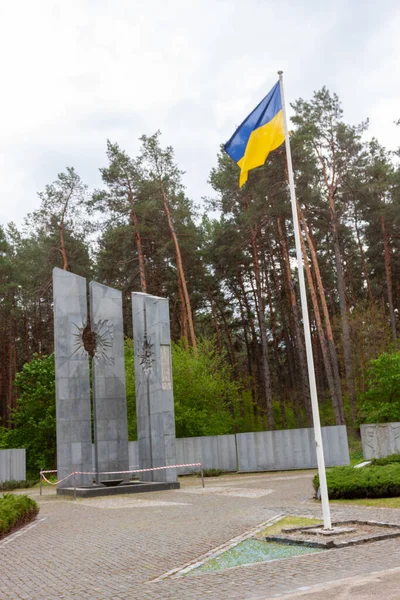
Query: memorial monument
[
  {"x": 79, "y": 339},
  {"x": 153, "y": 377}
]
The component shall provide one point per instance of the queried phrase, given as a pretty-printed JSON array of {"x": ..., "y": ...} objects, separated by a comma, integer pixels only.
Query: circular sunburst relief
[{"x": 97, "y": 340}]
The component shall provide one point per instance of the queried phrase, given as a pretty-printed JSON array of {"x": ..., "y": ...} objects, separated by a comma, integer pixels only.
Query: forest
[{"x": 229, "y": 270}]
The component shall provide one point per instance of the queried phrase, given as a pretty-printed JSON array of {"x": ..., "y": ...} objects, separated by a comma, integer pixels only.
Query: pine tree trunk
[
  {"x": 263, "y": 332},
  {"x": 272, "y": 318},
  {"x": 231, "y": 347},
  {"x": 184, "y": 332},
  {"x": 215, "y": 321},
  {"x": 27, "y": 341},
  {"x": 290, "y": 355},
  {"x": 296, "y": 320},
  {"x": 325, "y": 311},
  {"x": 322, "y": 339},
  {"x": 40, "y": 329},
  {"x": 179, "y": 265},
  {"x": 347, "y": 352},
  {"x": 253, "y": 343},
  {"x": 248, "y": 349},
  {"x": 349, "y": 283},
  {"x": 388, "y": 270},
  {"x": 3, "y": 372},
  {"x": 62, "y": 246},
  {"x": 10, "y": 377},
  {"x": 173, "y": 318},
  {"x": 138, "y": 240},
  {"x": 364, "y": 262},
  {"x": 14, "y": 365},
  {"x": 247, "y": 305}
]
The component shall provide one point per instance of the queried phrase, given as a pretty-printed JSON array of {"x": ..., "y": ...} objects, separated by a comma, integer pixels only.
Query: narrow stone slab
[
  {"x": 109, "y": 395},
  {"x": 74, "y": 430},
  {"x": 330, "y": 532},
  {"x": 153, "y": 379}
]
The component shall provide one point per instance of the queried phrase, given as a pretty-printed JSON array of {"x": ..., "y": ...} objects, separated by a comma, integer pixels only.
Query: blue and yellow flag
[{"x": 258, "y": 135}]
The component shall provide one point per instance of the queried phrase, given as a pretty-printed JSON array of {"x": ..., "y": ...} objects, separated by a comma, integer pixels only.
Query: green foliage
[
  {"x": 355, "y": 448},
  {"x": 207, "y": 401},
  {"x": 242, "y": 234},
  {"x": 61, "y": 203},
  {"x": 386, "y": 460},
  {"x": 3, "y": 437},
  {"x": 34, "y": 418},
  {"x": 130, "y": 389},
  {"x": 206, "y": 397},
  {"x": 211, "y": 472},
  {"x": 15, "y": 511},
  {"x": 366, "y": 482},
  {"x": 382, "y": 399}
]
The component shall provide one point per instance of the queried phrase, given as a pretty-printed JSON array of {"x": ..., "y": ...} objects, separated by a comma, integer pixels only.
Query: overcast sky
[{"x": 76, "y": 73}]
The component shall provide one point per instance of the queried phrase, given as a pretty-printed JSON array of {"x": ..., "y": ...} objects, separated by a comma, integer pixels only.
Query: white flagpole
[{"x": 306, "y": 324}]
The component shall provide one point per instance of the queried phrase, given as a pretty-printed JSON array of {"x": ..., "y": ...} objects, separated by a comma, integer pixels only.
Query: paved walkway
[
  {"x": 380, "y": 584},
  {"x": 116, "y": 547}
]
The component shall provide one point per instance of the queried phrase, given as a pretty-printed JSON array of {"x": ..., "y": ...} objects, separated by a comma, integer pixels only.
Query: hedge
[
  {"x": 386, "y": 460},
  {"x": 366, "y": 482},
  {"x": 16, "y": 511},
  {"x": 11, "y": 484}
]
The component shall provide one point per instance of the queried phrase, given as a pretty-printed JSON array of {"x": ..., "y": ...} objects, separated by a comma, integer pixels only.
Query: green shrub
[
  {"x": 386, "y": 460},
  {"x": 212, "y": 472},
  {"x": 381, "y": 402},
  {"x": 6, "y": 486},
  {"x": 15, "y": 511},
  {"x": 34, "y": 418},
  {"x": 367, "y": 482},
  {"x": 206, "y": 396}
]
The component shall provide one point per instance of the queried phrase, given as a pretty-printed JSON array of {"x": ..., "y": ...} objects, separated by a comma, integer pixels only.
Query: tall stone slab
[
  {"x": 74, "y": 430},
  {"x": 154, "y": 395},
  {"x": 108, "y": 373}
]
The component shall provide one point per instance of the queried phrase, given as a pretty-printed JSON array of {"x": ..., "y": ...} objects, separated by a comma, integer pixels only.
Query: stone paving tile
[{"x": 83, "y": 550}]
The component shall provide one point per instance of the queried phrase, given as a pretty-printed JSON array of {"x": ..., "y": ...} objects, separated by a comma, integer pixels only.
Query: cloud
[{"x": 80, "y": 72}]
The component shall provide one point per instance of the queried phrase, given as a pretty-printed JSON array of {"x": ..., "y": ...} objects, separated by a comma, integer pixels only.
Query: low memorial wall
[
  {"x": 259, "y": 451},
  {"x": 214, "y": 451},
  {"x": 380, "y": 439},
  {"x": 13, "y": 465},
  {"x": 288, "y": 449},
  {"x": 280, "y": 450}
]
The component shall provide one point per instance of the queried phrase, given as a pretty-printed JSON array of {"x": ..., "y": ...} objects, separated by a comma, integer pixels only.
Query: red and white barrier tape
[
  {"x": 114, "y": 472},
  {"x": 136, "y": 470},
  {"x": 54, "y": 482}
]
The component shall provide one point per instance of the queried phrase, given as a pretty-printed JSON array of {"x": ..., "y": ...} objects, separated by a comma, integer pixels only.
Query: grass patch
[
  {"x": 15, "y": 511},
  {"x": 355, "y": 451},
  {"x": 373, "y": 502},
  {"x": 211, "y": 473},
  {"x": 287, "y": 522}
]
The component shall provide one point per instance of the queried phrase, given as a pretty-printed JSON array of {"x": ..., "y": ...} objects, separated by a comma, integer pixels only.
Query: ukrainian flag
[{"x": 258, "y": 135}]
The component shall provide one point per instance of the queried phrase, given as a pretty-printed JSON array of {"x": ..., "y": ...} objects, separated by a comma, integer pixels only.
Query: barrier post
[
  {"x": 74, "y": 481},
  {"x": 40, "y": 486},
  {"x": 202, "y": 474}
]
